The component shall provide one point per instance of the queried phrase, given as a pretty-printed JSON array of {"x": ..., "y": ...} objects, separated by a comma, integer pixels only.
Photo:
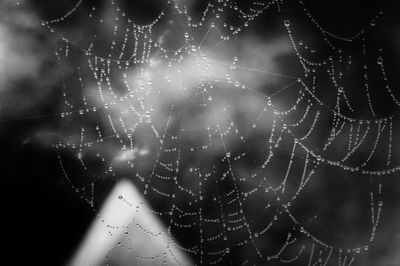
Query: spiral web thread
[{"x": 184, "y": 148}]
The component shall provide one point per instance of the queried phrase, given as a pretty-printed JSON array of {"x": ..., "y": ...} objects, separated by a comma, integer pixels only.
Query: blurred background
[{"x": 179, "y": 129}]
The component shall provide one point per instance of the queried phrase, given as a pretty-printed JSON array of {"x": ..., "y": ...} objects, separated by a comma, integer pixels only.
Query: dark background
[{"x": 44, "y": 219}]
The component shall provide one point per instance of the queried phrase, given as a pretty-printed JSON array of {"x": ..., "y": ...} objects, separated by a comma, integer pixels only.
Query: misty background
[{"x": 47, "y": 215}]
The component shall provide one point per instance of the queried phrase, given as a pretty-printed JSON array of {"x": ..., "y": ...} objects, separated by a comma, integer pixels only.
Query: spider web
[{"x": 222, "y": 155}]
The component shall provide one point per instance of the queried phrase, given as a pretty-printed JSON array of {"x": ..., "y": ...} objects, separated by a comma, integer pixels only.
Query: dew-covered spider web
[{"x": 237, "y": 120}]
